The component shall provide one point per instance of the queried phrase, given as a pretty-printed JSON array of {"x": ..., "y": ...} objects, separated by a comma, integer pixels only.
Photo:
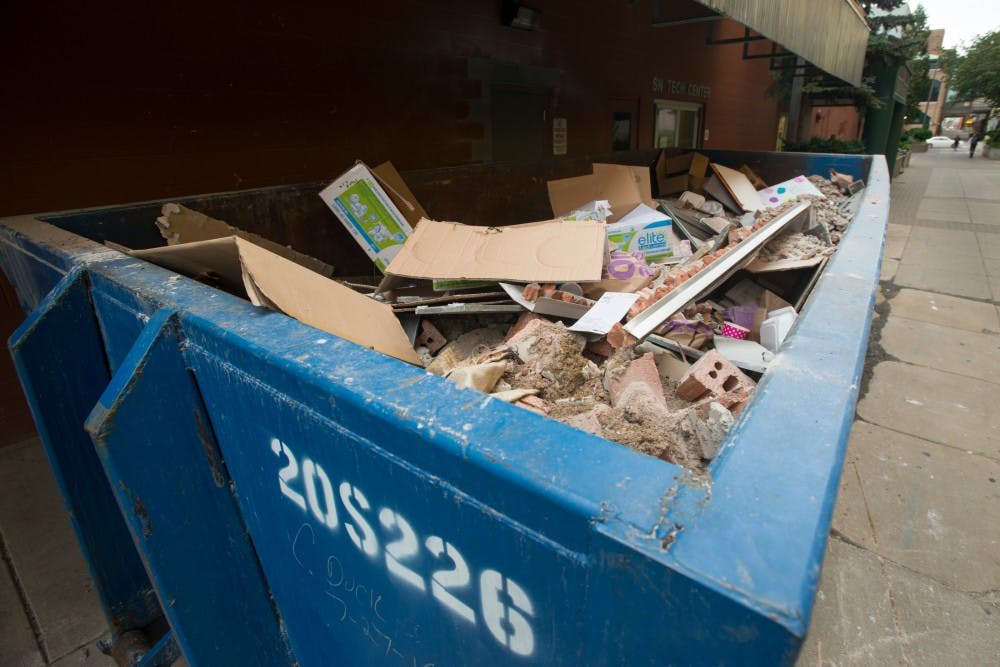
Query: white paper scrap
[{"x": 608, "y": 311}]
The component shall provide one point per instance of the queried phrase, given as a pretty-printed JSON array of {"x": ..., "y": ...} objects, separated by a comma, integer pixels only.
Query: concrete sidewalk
[{"x": 912, "y": 572}]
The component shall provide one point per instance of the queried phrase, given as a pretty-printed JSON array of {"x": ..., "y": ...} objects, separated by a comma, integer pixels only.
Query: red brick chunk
[{"x": 713, "y": 374}]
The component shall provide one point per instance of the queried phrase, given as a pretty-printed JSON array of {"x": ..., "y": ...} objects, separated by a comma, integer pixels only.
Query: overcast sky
[{"x": 962, "y": 20}]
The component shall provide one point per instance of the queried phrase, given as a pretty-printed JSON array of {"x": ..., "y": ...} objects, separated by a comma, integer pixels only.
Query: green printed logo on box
[{"x": 378, "y": 226}]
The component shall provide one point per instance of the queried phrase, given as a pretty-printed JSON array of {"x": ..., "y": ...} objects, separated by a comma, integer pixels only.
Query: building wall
[
  {"x": 935, "y": 108},
  {"x": 840, "y": 122},
  {"x": 120, "y": 101}
]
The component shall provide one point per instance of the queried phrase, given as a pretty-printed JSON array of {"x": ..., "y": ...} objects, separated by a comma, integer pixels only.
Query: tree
[
  {"x": 895, "y": 40},
  {"x": 977, "y": 74},
  {"x": 920, "y": 88}
]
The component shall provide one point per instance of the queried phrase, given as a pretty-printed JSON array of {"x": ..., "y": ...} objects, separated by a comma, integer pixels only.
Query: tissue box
[
  {"x": 368, "y": 214},
  {"x": 644, "y": 230}
]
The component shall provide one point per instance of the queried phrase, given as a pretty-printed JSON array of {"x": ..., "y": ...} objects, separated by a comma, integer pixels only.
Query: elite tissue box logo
[{"x": 653, "y": 239}]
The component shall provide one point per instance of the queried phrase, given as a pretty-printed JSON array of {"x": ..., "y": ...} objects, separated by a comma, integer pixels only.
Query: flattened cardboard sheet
[
  {"x": 272, "y": 281},
  {"x": 789, "y": 191},
  {"x": 761, "y": 266},
  {"x": 548, "y": 251},
  {"x": 215, "y": 261},
  {"x": 739, "y": 187}
]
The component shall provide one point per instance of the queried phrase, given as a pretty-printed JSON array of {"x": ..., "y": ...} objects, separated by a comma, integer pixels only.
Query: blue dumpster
[{"x": 249, "y": 490}]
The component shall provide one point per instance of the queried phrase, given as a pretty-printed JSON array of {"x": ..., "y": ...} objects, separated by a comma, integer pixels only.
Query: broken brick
[
  {"x": 535, "y": 404},
  {"x": 529, "y": 330},
  {"x": 531, "y": 291},
  {"x": 522, "y": 322},
  {"x": 588, "y": 421},
  {"x": 713, "y": 374},
  {"x": 430, "y": 337},
  {"x": 619, "y": 338},
  {"x": 600, "y": 347},
  {"x": 734, "y": 400},
  {"x": 641, "y": 375}
]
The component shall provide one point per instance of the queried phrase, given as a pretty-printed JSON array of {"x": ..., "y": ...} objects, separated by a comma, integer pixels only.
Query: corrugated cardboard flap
[
  {"x": 274, "y": 282},
  {"x": 623, "y": 186}
]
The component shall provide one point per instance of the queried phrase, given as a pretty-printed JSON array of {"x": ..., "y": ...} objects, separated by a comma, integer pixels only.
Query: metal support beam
[
  {"x": 669, "y": 23},
  {"x": 687, "y": 20},
  {"x": 747, "y": 37},
  {"x": 773, "y": 55}
]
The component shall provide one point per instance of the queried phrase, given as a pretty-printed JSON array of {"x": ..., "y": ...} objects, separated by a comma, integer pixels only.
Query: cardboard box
[
  {"x": 680, "y": 172},
  {"x": 623, "y": 186},
  {"x": 644, "y": 230},
  {"x": 368, "y": 212},
  {"x": 670, "y": 185}
]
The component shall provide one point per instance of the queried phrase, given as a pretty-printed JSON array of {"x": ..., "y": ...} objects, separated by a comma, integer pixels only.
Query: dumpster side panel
[
  {"x": 156, "y": 445},
  {"x": 60, "y": 360},
  {"x": 373, "y": 560},
  {"x": 31, "y": 275},
  {"x": 777, "y": 167},
  {"x": 486, "y": 443},
  {"x": 290, "y": 465},
  {"x": 641, "y": 612},
  {"x": 122, "y": 314},
  {"x": 36, "y": 255}
]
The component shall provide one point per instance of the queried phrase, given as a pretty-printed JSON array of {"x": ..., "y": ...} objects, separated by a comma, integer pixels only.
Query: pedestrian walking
[
  {"x": 954, "y": 144},
  {"x": 973, "y": 140}
]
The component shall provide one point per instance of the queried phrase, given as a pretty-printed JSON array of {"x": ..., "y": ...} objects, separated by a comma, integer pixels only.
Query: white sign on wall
[{"x": 559, "y": 136}]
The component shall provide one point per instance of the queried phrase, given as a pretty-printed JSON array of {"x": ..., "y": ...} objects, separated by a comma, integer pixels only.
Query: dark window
[{"x": 621, "y": 130}]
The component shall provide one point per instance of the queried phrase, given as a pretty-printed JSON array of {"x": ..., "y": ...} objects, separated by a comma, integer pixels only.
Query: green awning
[{"x": 830, "y": 34}]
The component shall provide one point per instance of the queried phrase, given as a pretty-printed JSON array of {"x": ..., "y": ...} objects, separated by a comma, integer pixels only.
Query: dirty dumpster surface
[{"x": 249, "y": 490}]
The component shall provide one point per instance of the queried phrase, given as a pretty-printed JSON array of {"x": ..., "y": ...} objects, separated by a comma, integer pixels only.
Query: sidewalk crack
[{"x": 22, "y": 594}]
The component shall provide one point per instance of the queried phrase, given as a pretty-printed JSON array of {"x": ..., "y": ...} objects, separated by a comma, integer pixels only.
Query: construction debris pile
[{"x": 642, "y": 320}]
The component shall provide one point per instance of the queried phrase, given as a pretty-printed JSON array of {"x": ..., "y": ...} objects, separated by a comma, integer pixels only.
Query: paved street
[{"x": 912, "y": 572}]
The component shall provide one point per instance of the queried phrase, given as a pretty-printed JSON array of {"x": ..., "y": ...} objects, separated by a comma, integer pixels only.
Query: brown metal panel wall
[{"x": 830, "y": 34}]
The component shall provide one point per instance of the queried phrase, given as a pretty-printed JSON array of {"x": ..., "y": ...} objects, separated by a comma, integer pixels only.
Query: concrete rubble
[{"x": 639, "y": 394}]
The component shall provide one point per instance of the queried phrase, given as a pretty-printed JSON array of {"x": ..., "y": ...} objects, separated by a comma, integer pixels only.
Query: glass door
[{"x": 678, "y": 124}]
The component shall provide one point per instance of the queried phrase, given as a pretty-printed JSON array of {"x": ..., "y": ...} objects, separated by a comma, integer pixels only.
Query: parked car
[{"x": 941, "y": 142}]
